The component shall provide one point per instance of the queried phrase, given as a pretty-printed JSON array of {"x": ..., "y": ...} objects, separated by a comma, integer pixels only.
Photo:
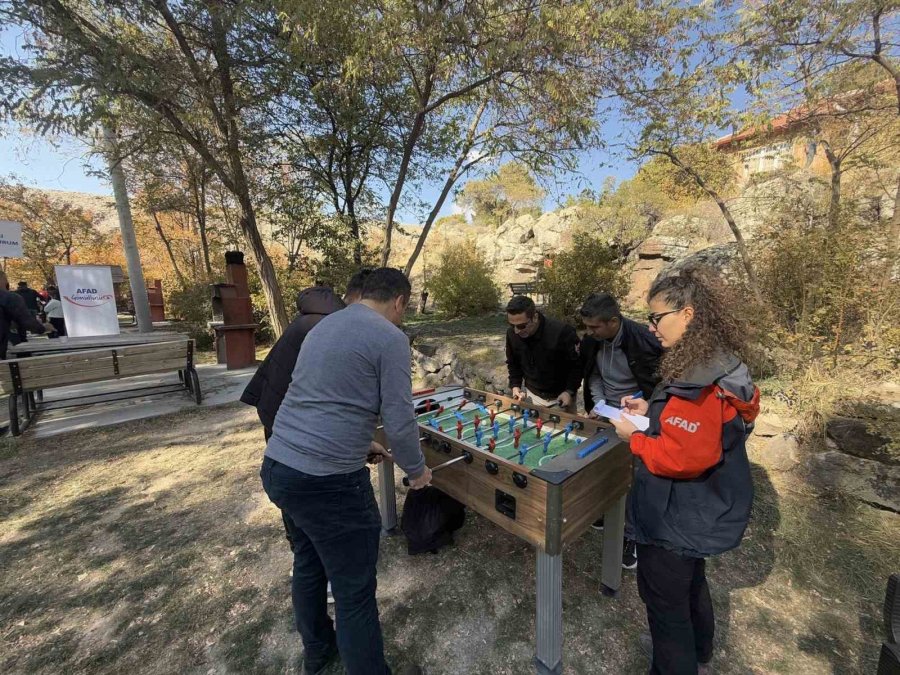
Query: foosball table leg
[
  {"x": 613, "y": 535},
  {"x": 548, "y": 628},
  {"x": 387, "y": 498}
]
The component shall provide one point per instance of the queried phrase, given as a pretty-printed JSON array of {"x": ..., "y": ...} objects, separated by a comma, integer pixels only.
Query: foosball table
[{"x": 538, "y": 472}]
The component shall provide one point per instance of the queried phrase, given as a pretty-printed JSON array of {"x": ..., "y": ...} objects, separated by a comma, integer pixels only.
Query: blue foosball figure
[
  {"x": 569, "y": 428},
  {"x": 496, "y": 429},
  {"x": 546, "y": 443}
]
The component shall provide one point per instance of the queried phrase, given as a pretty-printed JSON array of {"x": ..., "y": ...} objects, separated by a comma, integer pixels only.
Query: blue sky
[{"x": 66, "y": 164}]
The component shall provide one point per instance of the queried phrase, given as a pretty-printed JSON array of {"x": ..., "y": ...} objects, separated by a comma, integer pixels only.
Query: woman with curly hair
[{"x": 692, "y": 488}]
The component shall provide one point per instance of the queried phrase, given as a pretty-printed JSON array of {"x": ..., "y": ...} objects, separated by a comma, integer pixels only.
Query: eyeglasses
[{"x": 654, "y": 319}]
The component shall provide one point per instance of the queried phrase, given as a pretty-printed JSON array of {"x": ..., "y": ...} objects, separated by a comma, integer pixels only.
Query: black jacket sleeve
[
  {"x": 18, "y": 313},
  {"x": 512, "y": 363},
  {"x": 574, "y": 370}
]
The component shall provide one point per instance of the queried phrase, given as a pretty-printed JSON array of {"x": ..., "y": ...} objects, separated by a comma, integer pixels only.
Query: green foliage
[
  {"x": 827, "y": 289},
  {"x": 192, "y": 304},
  {"x": 589, "y": 266},
  {"x": 462, "y": 285},
  {"x": 510, "y": 191}
]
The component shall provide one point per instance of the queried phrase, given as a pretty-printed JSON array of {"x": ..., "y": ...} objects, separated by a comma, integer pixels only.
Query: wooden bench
[
  {"x": 522, "y": 288},
  {"x": 20, "y": 379}
]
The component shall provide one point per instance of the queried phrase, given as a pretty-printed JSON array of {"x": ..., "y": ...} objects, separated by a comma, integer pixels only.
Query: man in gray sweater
[{"x": 353, "y": 368}]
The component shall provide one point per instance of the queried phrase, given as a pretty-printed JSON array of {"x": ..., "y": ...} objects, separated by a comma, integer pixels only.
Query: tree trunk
[
  {"x": 168, "y": 245},
  {"x": 834, "y": 205},
  {"x": 893, "y": 251},
  {"x": 452, "y": 177},
  {"x": 726, "y": 213},
  {"x": 200, "y": 201},
  {"x": 126, "y": 226},
  {"x": 241, "y": 190}
]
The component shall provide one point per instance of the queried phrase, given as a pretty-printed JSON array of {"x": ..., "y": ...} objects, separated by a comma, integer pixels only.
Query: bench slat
[
  {"x": 96, "y": 361},
  {"x": 126, "y": 369}
]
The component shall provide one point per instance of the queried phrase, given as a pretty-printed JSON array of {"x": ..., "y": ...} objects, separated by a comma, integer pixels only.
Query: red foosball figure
[
  {"x": 428, "y": 405},
  {"x": 493, "y": 415},
  {"x": 492, "y": 445},
  {"x": 459, "y": 428},
  {"x": 462, "y": 405},
  {"x": 539, "y": 425},
  {"x": 517, "y": 434},
  {"x": 441, "y": 428},
  {"x": 477, "y": 421}
]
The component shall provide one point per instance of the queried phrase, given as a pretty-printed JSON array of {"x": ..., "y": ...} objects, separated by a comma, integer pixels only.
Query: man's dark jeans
[
  {"x": 335, "y": 529},
  {"x": 679, "y": 609}
]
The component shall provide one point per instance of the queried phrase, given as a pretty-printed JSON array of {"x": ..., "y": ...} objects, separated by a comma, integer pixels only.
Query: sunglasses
[
  {"x": 654, "y": 319},
  {"x": 522, "y": 326}
]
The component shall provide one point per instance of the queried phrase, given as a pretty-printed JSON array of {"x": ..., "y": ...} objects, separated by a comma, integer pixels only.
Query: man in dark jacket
[
  {"x": 620, "y": 356},
  {"x": 541, "y": 356},
  {"x": 270, "y": 383},
  {"x": 14, "y": 310}
]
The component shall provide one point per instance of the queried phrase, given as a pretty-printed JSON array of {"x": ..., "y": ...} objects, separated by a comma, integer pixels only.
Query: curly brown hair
[{"x": 716, "y": 327}]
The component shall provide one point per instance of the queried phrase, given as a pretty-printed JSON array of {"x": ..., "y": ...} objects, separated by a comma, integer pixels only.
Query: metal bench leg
[
  {"x": 613, "y": 535},
  {"x": 387, "y": 497},
  {"x": 194, "y": 388},
  {"x": 548, "y": 628},
  {"x": 14, "y": 415}
]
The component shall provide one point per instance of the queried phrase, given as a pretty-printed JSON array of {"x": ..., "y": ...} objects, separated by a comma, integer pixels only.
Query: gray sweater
[
  {"x": 612, "y": 379},
  {"x": 353, "y": 366}
]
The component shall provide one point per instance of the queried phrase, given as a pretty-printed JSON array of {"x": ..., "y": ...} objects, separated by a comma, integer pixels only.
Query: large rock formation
[{"x": 703, "y": 236}]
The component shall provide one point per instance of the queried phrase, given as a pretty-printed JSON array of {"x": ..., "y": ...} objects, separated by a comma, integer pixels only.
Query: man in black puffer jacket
[{"x": 270, "y": 383}]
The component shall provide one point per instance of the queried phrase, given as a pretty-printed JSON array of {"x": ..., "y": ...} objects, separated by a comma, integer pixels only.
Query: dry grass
[{"x": 151, "y": 548}]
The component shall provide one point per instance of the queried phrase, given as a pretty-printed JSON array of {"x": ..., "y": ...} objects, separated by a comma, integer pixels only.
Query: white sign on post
[
  {"x": 10, "y": 239},
  {"x": 88, "y": 300}
]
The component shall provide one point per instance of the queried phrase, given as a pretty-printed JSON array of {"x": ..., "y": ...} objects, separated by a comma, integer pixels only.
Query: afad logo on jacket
[
  {"x": 89, "y": 297},
  {"x": 682, "y": 423}
]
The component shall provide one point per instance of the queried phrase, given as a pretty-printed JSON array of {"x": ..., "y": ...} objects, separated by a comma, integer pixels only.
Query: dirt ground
[{"x": 151, "y": 548}]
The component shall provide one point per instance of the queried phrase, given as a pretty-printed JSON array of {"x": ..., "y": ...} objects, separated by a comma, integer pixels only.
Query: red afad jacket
[
  {"x": 690, "y": 432},
  {"x": 693, "y": 488}
]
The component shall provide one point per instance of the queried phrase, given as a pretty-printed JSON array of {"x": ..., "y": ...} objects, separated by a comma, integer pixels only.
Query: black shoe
[
  {"x": 323, "y": 664},
  {"x": 629, "y": 555},
  {"x": 598, "y": 524},
  {"x": 646, "y": 642}
]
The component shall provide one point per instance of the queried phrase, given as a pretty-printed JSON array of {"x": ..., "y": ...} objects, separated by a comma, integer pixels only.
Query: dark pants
[
  {"x": 679, "y": 609},
  {"x": 335, "y": 528},
  {"x": 60, "y": 326}
]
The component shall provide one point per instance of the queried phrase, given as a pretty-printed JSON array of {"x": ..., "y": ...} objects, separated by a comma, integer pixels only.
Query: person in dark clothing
[
  {"x": 273, "y": 377},
  {"x": 267, "y": 388},
  {"x": 31, "y": 297},
  {"x": 14, "y": 310},
  {"x": 621, "y": 357},
  {"x": 693, "y": 491},
  {"x": 541, "y": 356}
]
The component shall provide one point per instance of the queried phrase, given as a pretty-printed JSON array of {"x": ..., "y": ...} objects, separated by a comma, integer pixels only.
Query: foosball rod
[
  {"x": 438, "y": 467},
  {"x": 436, "y": 404}
]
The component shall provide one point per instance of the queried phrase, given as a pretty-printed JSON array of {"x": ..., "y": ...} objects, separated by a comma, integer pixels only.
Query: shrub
[
  {"x": 462, "y": 284},
  {"x": 192, "y": 304},
  {"x": 590, "y": 266}
]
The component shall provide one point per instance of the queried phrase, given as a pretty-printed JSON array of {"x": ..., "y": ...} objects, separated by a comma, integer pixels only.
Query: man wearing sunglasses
[{"x": 541, "y": 356}]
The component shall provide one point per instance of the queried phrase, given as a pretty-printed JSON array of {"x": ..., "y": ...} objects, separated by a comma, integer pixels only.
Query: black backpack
[{"x": 430, "y": 517}]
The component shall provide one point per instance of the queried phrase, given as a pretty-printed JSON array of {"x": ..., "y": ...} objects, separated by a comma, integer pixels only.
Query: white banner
[
  {"x": 88, "y": 300},
  {"x": 10, "y": 239}
]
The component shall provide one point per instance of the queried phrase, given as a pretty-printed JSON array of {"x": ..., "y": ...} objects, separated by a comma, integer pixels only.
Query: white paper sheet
[{"x": 613, "y": 413}]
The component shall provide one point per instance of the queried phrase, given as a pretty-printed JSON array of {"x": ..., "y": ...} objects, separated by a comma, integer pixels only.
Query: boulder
[
  {"x": 866, "y": 480},
  {"x": 780, "y": 453},
  {"x": 874, "y": 437},
  {"x": 772, "y": 424}
]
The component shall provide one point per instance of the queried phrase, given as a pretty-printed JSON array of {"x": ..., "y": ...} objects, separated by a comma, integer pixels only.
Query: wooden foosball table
[{"x": 538, "y": 472}]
